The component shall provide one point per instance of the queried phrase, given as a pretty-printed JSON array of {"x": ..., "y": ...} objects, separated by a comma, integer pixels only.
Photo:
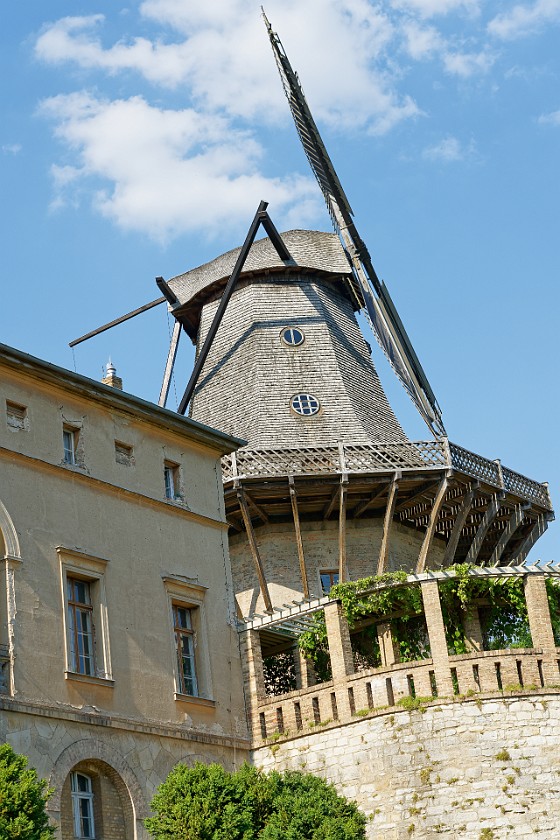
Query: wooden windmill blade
[{"x": 371, "y": 294}]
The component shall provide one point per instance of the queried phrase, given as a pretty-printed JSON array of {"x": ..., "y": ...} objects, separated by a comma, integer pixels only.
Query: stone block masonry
[{"x": 449, "y": 769}]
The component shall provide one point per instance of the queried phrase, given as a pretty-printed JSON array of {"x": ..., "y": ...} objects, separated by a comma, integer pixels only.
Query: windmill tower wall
[{"x": 333, "y": 363}]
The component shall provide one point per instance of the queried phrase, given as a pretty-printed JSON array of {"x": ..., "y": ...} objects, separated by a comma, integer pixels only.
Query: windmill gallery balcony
[{"x": 481, "y": 512}]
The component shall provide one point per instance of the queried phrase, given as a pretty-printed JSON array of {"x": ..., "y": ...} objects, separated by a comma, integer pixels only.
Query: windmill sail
[{"x": 370, "y": 293}]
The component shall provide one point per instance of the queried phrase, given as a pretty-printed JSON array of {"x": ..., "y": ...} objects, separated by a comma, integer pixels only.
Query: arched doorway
[
  {"x": 91, "y": 778},
  {"x": 95, "y": 804}
]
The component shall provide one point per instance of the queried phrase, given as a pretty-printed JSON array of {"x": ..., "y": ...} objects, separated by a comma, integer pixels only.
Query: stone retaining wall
[{"x": 446, "y": 769}]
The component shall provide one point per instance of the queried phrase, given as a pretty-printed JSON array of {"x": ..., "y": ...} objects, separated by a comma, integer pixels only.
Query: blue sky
[{"x": 137, "y": 141}]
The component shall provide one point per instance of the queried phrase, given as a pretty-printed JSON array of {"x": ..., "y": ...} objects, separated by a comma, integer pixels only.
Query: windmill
[
  {"x": 370, "y": 293},
  {"x": 274, "y": 323}
]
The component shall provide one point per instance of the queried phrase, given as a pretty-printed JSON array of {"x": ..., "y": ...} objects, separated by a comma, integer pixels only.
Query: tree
[
  {"x": 23, "y": 798},
  {"x": 206, "y": 802}
]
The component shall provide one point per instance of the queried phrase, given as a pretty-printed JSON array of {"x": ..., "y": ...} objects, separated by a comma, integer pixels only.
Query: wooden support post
[
  {"x": 487, "y": 519},
  {"x": 459, "y": 524},
  {"x": 342, "y": 566},
  {"x": 176, "y": 335},
  {"x": 432, "y": 524},
  {"x": 299, "y": 541},
  {"x": 387, "y": 522},
  {"x": 340, "y": 647},
  {"x": 436, "y": 633},
  {"x": 363, "y": 506},
  {"x": 254, "y": 549},
  {"x": 520, "y": 554},
  {"x": 513, "y": 524}
]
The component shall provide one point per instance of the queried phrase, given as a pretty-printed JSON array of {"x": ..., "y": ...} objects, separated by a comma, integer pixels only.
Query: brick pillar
[
  {"x": 472, "y": 628},
  {"x": 340, "y": 648},
  {"x": 387, "y": 645},
  {"x": 305, "y": 675},
  {"x": 436, "y": 633},
  {"x": 540, "y": 624},
  {"x": 253, "y": 676}
]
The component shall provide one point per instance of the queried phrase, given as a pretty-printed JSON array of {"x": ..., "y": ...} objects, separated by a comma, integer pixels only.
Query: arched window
[
  {"x": 82, "y": 806},
  {"x": 292, "y": 336},
  {"x": 305, "y": 404}
]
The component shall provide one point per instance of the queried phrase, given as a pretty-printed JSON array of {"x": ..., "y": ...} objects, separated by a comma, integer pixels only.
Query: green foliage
[
  {"x": 371, "y": 597},
  {"x": 207, "y": 803},
  {"x": 503, "y": 618},
  {"x": 279, "y": 673},
  {"x": 553, "y": 594},
  {"x": 23, "y": 798},
  {"x": 314, "y": 646},
  {"x": 500, "y": 601}
]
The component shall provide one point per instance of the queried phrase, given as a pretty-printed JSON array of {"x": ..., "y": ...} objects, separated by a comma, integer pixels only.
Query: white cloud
[
  {"x": 224, "y": 60},
  {"x": 164, "y": 172},
  {"x": 465, "y": 65},
  {"x": 449, "y": 150},
  {"x": 421, "y": 41},
  {"x": 11, "y": 148},
  {"x": 553, "y": 118},
  {"x": 431, "y": 8},
  {"x": 525, "y": 19}
]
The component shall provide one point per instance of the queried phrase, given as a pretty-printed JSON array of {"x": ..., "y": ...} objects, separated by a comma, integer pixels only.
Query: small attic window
[
  {"x": 124, "y": 454},
  {"x": 305, "y": 404},
  {"x": 16, "y": 416},
  {"x": 292, "y": 336}
]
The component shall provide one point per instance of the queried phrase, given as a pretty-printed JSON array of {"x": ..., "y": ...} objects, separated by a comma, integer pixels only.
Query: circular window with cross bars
[
  {"x": 292, "y": 336},
  {"x": 305, "y": 404}
]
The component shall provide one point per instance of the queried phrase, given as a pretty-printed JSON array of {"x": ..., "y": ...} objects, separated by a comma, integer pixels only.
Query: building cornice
[{"x": 142, "y": 410}]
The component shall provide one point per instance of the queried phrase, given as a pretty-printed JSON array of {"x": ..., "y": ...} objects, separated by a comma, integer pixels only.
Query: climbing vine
[
  {"x": 365, "y": 602},
  {"x": 500, "y": 601},
  {"x": 501, "y": 608}
]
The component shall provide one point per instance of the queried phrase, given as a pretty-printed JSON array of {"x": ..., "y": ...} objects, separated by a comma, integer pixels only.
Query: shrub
[
  {"x": 206, "y": 802},
  {"x": 23, "y": 798}
]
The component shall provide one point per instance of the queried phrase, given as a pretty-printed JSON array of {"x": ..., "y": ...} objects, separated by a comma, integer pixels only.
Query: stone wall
[
  {"x": 448, "y": 769},
  {"x": 138, "y": 758}
]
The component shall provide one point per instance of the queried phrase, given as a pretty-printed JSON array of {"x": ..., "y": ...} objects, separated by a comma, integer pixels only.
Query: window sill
[
  {"x": 197, "y": 701},
  {"x": 178, "y": 502},
  {"x": 76, "y": 467},
  {"x": 86, "y": 678}
]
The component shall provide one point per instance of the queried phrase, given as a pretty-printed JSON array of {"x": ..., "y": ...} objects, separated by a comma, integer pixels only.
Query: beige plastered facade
[{"x": 106, "y": 520}]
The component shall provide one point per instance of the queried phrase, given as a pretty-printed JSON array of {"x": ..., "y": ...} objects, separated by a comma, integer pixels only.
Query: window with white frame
[
  {"x": 85, "y": 616},
  {"x": 171, "y": 480},
  {"x": 70, "y": 444},
  {"x": 189, "y": 637},
  {"x": 305, "y": 404},
  {"x": 185, "y": 644},
  {"x": 81, "y": 653},
  {"x": 82, "y": 806}
]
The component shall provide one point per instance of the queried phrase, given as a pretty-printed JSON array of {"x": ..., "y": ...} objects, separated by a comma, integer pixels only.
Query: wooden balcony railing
[{"x": 381, "y": 458}]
